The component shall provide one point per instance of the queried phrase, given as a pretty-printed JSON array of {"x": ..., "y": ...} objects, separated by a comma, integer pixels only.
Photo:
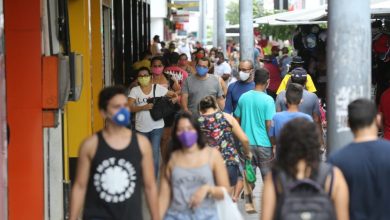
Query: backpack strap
[{"x": 324, "y": 170}]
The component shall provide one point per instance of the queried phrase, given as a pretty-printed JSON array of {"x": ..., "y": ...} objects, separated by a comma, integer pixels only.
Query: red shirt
[
  {"x": 177, "y": 73},
  {"x": 384, "y": 108},
  {"x": 274, "y": 76}
]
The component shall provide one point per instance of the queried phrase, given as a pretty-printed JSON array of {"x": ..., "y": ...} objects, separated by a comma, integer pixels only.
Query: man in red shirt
[
  {"x": 384, "y": 108},
  {"x": 174, "y": 70},
  {"x": 274, "y": 75}
]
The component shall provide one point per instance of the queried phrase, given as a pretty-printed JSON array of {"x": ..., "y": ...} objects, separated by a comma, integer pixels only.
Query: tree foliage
[{"x": 283, "y": 32}]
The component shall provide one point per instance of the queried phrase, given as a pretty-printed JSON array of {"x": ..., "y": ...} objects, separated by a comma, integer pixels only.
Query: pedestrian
[
  {"x": 284, "y": 62},
  {"x": 244, "y": 84},
  {"x": 200, "y": 85},
  {"x": 293, "y": 99},
  {"x": 169, "y": 82},
  {"x": 295, "y": 63},
  {"x": 200, "y": 53},
  {"x": 222, "y": 68},
  {"x": 194, "y": 177},
  {"x": 173, "y": 70},
  {"x": 310, "y": 103},
  {"x": 140, "y": 104},
  {"x": 365, "y": 163},
  {"x": 114, "y": 167},
  {"x": 156, "y": 46},
  {"x": 183, "y": 63},
  {"x": 144, "y": 62},
  {"x": 384, "y": 108},
  {"x": 299, "y": 169},
  {"x": 254, "y": 111},
  {"x": 274, "y": 75},
  {"x": 220, "y": 128}
]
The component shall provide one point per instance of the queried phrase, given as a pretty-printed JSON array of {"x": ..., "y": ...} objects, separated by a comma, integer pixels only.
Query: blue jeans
[{"x": 154, "y": 137}]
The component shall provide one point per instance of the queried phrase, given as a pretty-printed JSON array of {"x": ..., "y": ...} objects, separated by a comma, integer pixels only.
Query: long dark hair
[
  {"x": 175, "y": 143},
  {"x": 299, "y": 140}
]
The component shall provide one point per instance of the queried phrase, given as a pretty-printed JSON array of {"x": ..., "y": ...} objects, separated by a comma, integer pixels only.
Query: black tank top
[{"x": 114, "y": 186}]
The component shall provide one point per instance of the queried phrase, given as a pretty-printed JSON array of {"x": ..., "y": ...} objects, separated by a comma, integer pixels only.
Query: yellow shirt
[
  {"x": 142, "y": 63},
  {"x": 309, "y": 84}
]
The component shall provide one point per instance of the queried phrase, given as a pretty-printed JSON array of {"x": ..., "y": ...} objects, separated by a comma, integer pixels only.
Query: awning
[{"x": 317, "y": 15}]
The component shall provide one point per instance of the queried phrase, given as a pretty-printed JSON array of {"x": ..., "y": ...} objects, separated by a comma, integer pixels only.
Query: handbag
[
  {"x": 162, "y": 106},
  {"x": 227, "y": 209},
  {"x": 250, "y": 172}
]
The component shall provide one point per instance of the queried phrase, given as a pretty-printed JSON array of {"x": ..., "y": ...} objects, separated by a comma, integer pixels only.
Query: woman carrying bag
[
  {"x": 195, "y": 179},
  {"x": 140, "y": 104}
]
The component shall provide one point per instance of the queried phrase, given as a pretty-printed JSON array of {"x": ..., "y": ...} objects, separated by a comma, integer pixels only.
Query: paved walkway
[{"x": 256, "y": 198}]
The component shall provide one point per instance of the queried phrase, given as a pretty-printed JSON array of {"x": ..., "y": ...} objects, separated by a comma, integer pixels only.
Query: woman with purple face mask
[{"x": 194, "y": 176}]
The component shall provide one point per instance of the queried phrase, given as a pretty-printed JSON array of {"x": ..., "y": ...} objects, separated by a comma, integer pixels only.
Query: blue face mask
[
  {"x": 202, "y": 71},
  {"x": 122, "y": 117}
]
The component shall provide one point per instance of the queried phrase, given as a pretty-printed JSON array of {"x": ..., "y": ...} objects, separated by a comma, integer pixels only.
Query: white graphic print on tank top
[{"x": 114, "y": 180}]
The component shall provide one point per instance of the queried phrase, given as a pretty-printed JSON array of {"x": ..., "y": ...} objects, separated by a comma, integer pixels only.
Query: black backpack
[{"x": 304, "y": 199}]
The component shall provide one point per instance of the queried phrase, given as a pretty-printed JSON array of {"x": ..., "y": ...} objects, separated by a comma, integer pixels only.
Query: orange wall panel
[{"x": 24, "y": 108}]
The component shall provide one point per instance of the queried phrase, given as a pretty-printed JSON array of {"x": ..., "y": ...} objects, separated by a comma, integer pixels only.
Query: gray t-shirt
[
  {"x": 197, "y": 89},
  {"x": 309, "y": 104}
]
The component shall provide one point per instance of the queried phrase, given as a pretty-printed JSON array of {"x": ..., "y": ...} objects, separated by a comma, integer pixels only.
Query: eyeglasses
[{"x": 245, "y": 70}]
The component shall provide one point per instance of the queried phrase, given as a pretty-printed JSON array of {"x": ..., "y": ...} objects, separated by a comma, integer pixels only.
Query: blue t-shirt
[
  {"x": 254, "y": 109},
  {"x": 235, "y": 90},
  {"x": 366, "y": 168},
  {"x": 281, "y": 118}
]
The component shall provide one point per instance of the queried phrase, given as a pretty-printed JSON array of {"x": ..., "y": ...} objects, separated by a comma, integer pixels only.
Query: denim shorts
[{"x": 233, "y": 172}]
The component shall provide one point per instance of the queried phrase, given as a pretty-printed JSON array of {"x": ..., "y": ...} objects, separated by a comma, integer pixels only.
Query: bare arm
[
  {"x": 135, "y": 108},
  {"x": 165, "y": 191},
  {"x": 239, "y": 133},
  {"x": 87, "y": 148},
  {"x": 148, "y": 177},
  {"x": 184, "y": 102},
  {"x": 268, "y": 203},
  {"x": 340, "y": 195},
  {"x": 223, "y": 86},
  {"x": 268, "y": 124},
  {"x": 221, "y": 103}
]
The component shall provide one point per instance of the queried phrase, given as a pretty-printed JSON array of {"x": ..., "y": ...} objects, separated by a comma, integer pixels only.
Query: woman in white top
[{"x": 144, "y": 123}]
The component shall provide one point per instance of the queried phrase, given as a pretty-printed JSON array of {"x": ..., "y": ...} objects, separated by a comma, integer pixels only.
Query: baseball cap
[{"x": 298, "y": 73}]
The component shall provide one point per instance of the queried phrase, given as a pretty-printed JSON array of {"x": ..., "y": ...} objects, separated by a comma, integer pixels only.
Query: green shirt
[{"x": 254, "y": 109}]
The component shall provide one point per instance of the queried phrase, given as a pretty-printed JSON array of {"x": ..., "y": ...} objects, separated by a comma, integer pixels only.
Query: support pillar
[
  {"x": 202, "y": 22},
  {"x": 246, "y": 30},
  {"x": 347, "y": 81},
  {"x": 221, "y": 28}
]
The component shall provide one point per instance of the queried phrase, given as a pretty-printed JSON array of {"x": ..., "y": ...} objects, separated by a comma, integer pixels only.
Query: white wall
[
  {"x": 158, "y": 11},
  {"x": 157, "y": 27}
]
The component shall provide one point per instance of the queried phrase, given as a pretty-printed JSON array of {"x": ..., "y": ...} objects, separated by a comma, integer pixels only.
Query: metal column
[
  {"x": 349, "y": 71},
  {"x": 221, "y": 29},
  {"x": 202, "y": 22},
  {"x": 246, "y": 30}
]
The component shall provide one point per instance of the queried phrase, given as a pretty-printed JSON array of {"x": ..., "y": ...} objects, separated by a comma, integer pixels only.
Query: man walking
[
  {"x": 200, "y": 85},
  {"x": 113, "y": 166},
  {"x": 365, "y": 164},
  {"x": 243, "y": 85},
  {"x": 255, "y": 110}
]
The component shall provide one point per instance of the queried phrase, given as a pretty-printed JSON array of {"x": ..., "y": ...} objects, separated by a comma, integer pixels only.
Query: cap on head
[{"x": 297, "y": 60}]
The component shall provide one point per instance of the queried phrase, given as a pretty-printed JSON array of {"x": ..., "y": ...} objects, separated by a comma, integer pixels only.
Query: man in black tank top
[{"x": 113, "y": 166}]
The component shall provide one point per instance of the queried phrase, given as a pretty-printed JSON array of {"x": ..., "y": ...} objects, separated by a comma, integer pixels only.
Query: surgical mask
[
  {"x": 144, "y": 80},
  {"x": 188, "y": 138},
  {"x": 199, "y": 55},
  {"x": 122, "y": 117},
  {"x": 244, "y": 76},
  {"x": 202, "y": 71},
  {"x": 217, "y": 60},
  {"x": 157, "y": 70}
]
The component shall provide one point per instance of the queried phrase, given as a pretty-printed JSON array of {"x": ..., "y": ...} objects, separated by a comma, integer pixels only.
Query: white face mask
[{"x": 244, "y": 76}]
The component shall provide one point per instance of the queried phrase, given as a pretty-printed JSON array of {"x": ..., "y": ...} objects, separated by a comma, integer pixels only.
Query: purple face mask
[{"x": 188, "y": 138}]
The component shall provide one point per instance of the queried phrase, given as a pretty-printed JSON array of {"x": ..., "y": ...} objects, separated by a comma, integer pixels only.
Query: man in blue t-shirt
[
  {"x": 243, "y": 85},
  {"x": 255, "y": 110},
  {"x": 293, "y": 99},
  {"x": 365, "y": 164}
]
